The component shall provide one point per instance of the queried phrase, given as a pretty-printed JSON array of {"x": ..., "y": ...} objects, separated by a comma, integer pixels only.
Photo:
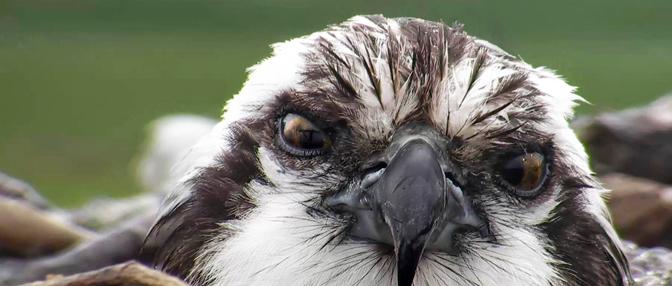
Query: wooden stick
[
  {"x": 28, "y": 231},
  {"x": 129, "y": 273}
]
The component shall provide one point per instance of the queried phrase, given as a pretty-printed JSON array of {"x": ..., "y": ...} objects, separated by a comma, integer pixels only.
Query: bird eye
[
  {"x": 301, "y": 137},
  {"x": 526, "y": 173}
]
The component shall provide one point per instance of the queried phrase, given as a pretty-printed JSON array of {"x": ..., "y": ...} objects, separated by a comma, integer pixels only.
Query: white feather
[{"x": 278, "y": 243}]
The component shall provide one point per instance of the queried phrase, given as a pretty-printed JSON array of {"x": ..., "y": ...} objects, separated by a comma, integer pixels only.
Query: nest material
[{"x": 632, "y": 152}]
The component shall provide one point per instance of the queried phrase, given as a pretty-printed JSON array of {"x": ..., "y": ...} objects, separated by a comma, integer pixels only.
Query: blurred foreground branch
[
  {"x": 130, "y": 273},
  {"x": 46, "y": 234}
]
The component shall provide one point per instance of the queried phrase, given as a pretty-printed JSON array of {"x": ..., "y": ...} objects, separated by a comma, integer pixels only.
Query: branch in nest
[{"x": 129, "y": 273}]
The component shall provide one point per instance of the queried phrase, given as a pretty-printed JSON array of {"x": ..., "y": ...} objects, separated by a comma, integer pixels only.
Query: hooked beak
[
  {"x": 410, "y": 196},
  {"x": 409, "y": 203}
]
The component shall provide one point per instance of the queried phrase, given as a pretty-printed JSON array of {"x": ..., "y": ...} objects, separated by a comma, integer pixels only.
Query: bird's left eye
[
  {"x": 526, "y": 173},
  {"x": 301, "y": 137}
]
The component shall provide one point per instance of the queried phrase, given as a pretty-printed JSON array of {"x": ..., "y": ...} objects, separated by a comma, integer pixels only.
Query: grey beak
[
  {"x": 410, "y": 196},
  {"x": 409, "y": 203}
]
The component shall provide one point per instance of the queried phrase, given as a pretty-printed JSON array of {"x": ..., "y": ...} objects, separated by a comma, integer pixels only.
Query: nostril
[
  {"x": 450, "y": 176},
  {"x": 372, "y": 174},
  {"x": 341, "y": 202},
  {"x": 374, "y": 167}
]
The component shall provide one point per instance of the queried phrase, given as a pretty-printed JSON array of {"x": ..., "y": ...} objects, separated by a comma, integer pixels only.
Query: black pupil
[
  {"x": 311, "y": 138},
  {"x": 300, "y": 133},
  {"x": 514, "y": 171}
]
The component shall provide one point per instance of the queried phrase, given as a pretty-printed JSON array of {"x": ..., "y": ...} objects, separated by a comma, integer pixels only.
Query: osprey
[{"x": 390, "y": 152}]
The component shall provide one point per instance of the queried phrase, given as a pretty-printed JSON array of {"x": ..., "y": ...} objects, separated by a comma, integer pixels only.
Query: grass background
[{"x": 80, "y": 79}]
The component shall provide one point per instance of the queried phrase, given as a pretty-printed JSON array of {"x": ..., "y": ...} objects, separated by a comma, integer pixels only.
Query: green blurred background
[{"x": 80, "y": 79}]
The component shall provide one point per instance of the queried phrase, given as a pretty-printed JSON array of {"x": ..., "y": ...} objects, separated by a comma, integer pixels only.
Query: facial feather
[{"x": 247, "y": 213}]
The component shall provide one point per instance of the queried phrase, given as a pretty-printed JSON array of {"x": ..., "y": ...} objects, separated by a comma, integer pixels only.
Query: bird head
[{"x": 390, "y": 152}]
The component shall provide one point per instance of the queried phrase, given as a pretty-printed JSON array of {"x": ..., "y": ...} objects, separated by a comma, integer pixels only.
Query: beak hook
[{"x": 411, "y": 196}]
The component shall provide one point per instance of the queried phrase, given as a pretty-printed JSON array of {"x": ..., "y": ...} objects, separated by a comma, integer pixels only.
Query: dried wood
[
  {"x": 13, "y": 188},
  {"x": 28, "y": 231},
  {"x": 130, "y": 273},
  {"x": 635, "y": 141},
  {"x": 641, "y": 209}
]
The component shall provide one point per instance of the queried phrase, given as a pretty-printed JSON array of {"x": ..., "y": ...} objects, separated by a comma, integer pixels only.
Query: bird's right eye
[
  {"x": 299, "y": 136},
  {"x": 526, "y": 173}
]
